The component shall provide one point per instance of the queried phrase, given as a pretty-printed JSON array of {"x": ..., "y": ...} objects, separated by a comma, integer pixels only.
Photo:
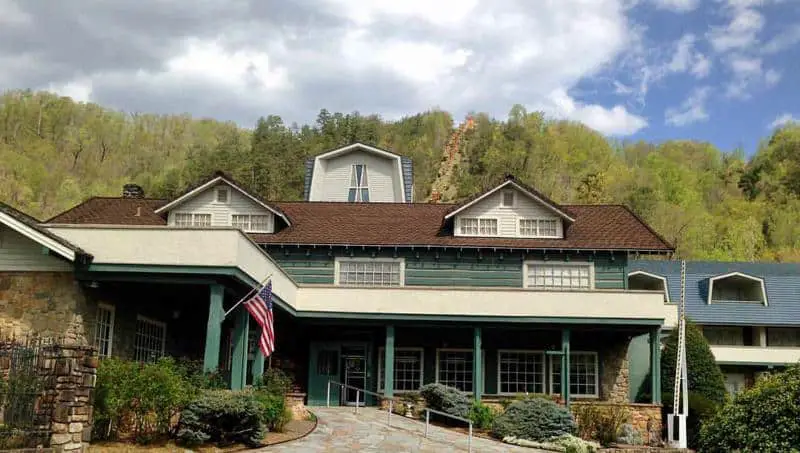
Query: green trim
[
  {"x": 477, "y": 365},
  {"x": 239, "y": 365},
  {"x": 655, "y": 364},
  {"x": 388, "y": 363},
  {"x": 214, "y": 328},
  {"x": 258, "y": 365},
  {"x": 565, "y": 365}
]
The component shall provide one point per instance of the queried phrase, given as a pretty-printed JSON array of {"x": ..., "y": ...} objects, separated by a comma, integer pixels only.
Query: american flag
[{"x": 260, "y": 306}]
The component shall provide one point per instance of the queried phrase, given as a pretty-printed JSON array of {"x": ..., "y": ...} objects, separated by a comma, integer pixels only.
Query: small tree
[{"x": 763, "y": 418}]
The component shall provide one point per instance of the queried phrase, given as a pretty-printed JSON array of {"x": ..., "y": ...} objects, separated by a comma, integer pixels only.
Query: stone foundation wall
[
  {"x": 645, "y": 418},
  {"x": 48, "y": 304},
  {"x": 614, "y": 372}
]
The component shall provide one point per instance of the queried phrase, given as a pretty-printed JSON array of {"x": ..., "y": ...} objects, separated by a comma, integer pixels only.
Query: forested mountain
[{"x": 711, "y": 204}]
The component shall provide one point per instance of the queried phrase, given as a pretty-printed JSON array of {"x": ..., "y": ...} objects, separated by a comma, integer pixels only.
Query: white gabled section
[
  {"x": 37, "y": 236},
  {"x": 521, "y": 189},
  {"x": 319, "y": 170},
  {"x": 758, "y": 280},
  {"x": 209, "y": 185},
  {"x": 654, "y": 277}
]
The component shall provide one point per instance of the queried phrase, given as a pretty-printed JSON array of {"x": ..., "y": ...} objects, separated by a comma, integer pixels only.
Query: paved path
[{"x": 340, "y": 430}]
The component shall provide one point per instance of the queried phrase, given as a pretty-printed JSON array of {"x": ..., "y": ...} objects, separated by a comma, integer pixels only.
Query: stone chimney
[
  {"x": 435, "y": 196},
  {"x": 132, "y": 191}
]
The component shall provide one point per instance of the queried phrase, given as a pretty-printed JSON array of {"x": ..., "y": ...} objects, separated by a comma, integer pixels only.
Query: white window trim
[
  {"x": 156, "y": 322},
  {"x": 193, "y": 214},
  {"x": 596, "y": 394},
  {"x": 270, "y": 222},
  {"x": 527, "y": 351},
  {"x": 340, "y": 259},
  {"x": 655, "y": 277},
  {"x": 113, "y": 311},
  {"x": 742, "y": 275},
  {"x": 216, "y": 195},
  {"x": 382, "y": 350},
  {"x": 559, "y": 228},
  {"x": 479, "y": 218},
  {"x": 483, "y": 366},
  {"x": 559, "y": 263},
  {"x": 513, "y": 199},
  {"x": 357, "y": 187}
]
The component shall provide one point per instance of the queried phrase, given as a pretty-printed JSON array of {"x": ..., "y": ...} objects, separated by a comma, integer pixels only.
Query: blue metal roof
[{"x": 781, "y": 281}]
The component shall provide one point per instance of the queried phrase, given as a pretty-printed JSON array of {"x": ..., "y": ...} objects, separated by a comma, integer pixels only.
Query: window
[
  {"x": 538, "y": 228},
  {"x": 737, "y": 287},
  {"x": 369, "y": 272},
  {"x": 408, "y": 365},
  {"x": 328, "y": 363},
  {"x": 724, "y": 335},
  {"x": 252, "y": 223},
  {"x": 104, "y": 330},
  {"x": 568, "y": 276},
  {"x": 359, "y": 185},
  {"x": 508, "y": 199},
  {"x": 222, "y": 195},
  {"x": 454, "y": 368},
  {"x": 151, "y": 336},
  {"x": 783, "y": 336},
  {"x": 645, "y": 281},
  {"x": 478, "y": 227},
  {"x": 583, "y": 374},
  {"x": 192, "y": 220},
  {"x": 520, "y": 371}
]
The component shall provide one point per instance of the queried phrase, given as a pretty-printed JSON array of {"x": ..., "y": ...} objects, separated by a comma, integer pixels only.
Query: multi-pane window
[
  {"x": 408, "y": 365},
  {"x": 559, "y": 276},
  {"x": 583, "y": 374},
  {"x": 192, "y": 220},
  {"x": 251, "y": 223},
  {"x": 508, "y": 199},
  {"x": 541, "y": 228},
  {"x": 454, "y": 368},
  {"x": 370, "y": 272},
  {"x": 520, "y": 371},
  {"x": 222, "y": 195},
  {"x": 478, "y": 227},
  {"x": 783, "y": 336},
  {"x": 724, "y": 335},
  {"x": 150, "y": 339},
  {"x": 104, "y": 330},
  {"x": 359, "y": 184}
]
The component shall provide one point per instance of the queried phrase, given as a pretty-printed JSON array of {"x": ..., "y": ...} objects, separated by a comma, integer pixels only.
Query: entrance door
[{"x": 354, "y": 364}]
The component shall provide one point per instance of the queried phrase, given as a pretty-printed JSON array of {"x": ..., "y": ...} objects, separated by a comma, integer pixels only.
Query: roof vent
[{"x": 132, "y": 191}]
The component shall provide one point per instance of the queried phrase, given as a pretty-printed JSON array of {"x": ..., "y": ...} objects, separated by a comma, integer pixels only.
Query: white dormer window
[
  {"x": 508, "y": 199},
  {"x": 538, "y": 228},
  {"x": 252, "y": 223},
  {"x": 222, "y": 195},
  {"x": 192, "y": 220},
  {"x": 478, "y": 227},
  {"x": 359, "y": 185}
]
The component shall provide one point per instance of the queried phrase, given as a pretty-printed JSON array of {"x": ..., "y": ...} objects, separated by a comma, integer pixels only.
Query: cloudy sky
[{"x": 719, "y": 70}]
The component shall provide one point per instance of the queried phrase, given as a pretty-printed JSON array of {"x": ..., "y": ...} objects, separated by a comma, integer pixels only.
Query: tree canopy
[{"x": 710, "y": 203}]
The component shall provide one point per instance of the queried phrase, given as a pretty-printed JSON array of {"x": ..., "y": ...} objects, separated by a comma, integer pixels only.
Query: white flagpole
[{"x": 247, "y": 296}]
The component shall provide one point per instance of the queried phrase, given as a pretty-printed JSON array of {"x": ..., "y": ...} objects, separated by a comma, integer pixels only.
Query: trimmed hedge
[
  {"x": 449, "y": 400},
  {"x": 222, "y": 417},
  {"x": 534, "y": 419}
]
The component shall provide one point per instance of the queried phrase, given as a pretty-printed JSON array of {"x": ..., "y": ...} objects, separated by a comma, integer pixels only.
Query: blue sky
[{"x": 723, "y": 71}]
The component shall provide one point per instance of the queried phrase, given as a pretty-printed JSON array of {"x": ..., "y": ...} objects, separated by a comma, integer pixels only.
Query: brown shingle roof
[{"x": 596, "y": 226}]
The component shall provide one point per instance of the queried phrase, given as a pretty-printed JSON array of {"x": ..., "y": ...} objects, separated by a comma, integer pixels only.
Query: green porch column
[
  {"x": 477, "y": 365},
  {"x": 565, "y": 365},
  {"x": 655, "y": 364},
  {"x": 388, "y": 363},
  {"x": 239, "y": 365},
  {"x": 214, "y": 328},
  {"x": 258, "y": 365}
]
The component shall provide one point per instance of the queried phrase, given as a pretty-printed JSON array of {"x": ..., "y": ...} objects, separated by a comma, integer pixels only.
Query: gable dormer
[
  {"x": 359, "y": 173},
  {"x": 510, "y": 209},
  {"x": 221, "y": 202},
  {"x": 737, "y": 287}
]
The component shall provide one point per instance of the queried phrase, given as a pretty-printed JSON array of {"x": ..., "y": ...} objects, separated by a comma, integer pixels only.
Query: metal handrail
[{"x": 391, "y": 407}]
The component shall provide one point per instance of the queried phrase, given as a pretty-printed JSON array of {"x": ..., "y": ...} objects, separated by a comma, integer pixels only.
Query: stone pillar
[
  {"x": 388, "y": 365},
  {"x": 214, "y": 328},
  {"x": 477, "y": 364},
  {"x": 69, "y": 374}
]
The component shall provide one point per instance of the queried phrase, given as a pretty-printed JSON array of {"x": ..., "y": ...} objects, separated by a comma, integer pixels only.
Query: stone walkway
[{"x": 340, "y": 430}]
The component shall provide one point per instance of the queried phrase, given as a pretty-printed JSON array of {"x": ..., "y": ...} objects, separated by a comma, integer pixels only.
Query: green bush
[
  {"x": 536, "y": 419},
  {"x": 222, "y": 417},
  {"x": 193, "y": 371},
  {"x": 275, "y": 381},
  {"x": 449, "y": 400},
  {"x": 763, "y": 418},
  {"x": 481, "y": 415},
  {"x": 601, "y": 423},
  {"x": 274, "y": 412},
  {"x": 704, "y": 375}
]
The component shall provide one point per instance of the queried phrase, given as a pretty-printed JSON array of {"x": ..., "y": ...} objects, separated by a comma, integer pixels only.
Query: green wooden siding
[{"x": 423, "y": 267}]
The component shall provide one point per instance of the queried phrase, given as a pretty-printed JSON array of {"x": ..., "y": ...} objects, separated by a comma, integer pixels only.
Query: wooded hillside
[{"x": 712, "y": 204}]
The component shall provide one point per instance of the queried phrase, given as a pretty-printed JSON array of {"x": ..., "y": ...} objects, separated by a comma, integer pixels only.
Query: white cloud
[
  {"x": 772, "y": 77},
  {"x": 748, "y": 74},
  {"x": 11, "y": 14},
  {"x": 614, "y": 121},
  {"x": 741, "y": 32},
  {"x": 687, "y": 58},
  {"x": 691, "y": 110},
  {"x": 782, "y": 41},
  {"x": 783, "y": 119},
  {"x": 678, "y": 6}
]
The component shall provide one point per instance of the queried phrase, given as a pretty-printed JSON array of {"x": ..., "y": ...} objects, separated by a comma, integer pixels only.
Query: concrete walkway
[{"x": 340, "y": 430}]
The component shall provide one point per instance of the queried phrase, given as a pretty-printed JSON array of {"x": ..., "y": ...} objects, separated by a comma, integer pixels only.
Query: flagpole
[{"x": 258, "y": 288}]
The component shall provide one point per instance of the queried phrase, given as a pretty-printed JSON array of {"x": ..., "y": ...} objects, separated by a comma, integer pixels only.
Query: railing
[{"x": 360, "y": 391}]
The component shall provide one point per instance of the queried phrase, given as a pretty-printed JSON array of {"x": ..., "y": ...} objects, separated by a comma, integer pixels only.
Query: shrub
[
  {"x": 481, "y": 415},
  {"x": 275, "y": 381},
  {"x": 223, "y": 417},
  {"x": 601, "y": 423},
  {"x": 763, "y": 418},
  {"x": 630, "y": 435},
  {"x": 536, "y": 419},
  {"x": 704, "y": 375},
  {"x": 274, "y": 412},
  {"x": 449, "y": 400},
  {"x": 567, "y": 444}
]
